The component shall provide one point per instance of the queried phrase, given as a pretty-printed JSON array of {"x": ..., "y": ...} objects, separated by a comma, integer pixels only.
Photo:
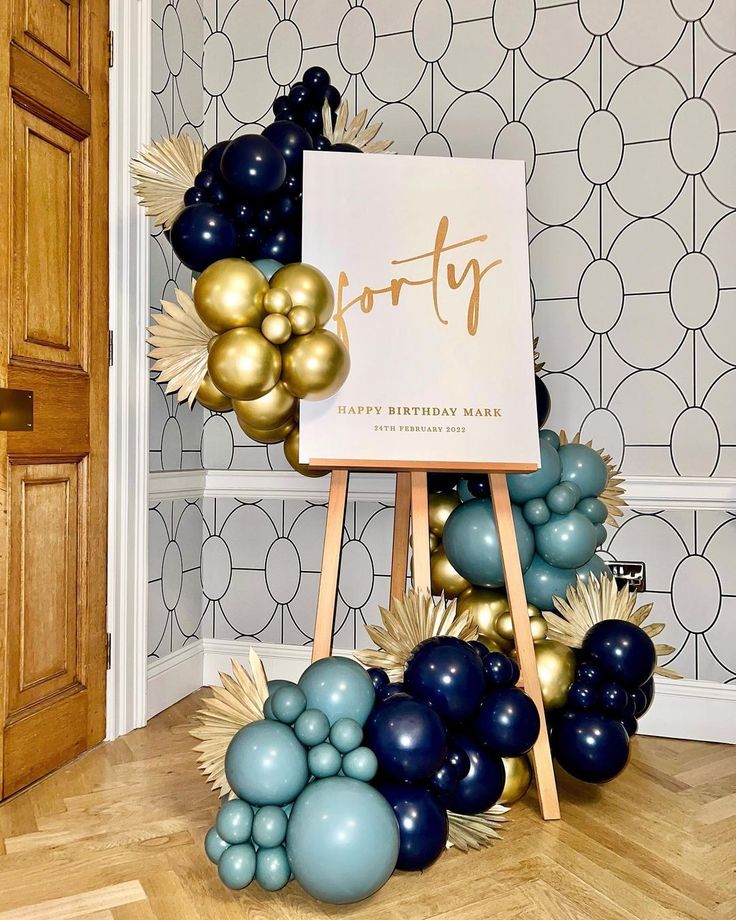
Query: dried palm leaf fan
[
  {"x": 163, "y": 172},
  {"x": 588, "y": 602},
  {"x": 356, "y": 133},
  {"x": 471, "y": 832},
  {"x": 238, "y": 702},
  {"x": 611, "y": 495},
  {"x": 538, "y": 363},
  {"x": 409, "y": 621}
]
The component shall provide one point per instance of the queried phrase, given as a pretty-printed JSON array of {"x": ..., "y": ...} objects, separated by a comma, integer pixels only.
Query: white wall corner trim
[{"x": 173, "y": 677}]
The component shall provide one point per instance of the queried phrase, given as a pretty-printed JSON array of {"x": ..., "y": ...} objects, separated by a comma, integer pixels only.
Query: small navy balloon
[
  {"x": 508, "y": 722},
  {"x": 483, "y": 784}
]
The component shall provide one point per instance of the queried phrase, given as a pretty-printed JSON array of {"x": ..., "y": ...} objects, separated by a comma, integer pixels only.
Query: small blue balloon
[
  {"x": 483, "y": 784},
  {"x": 408, "y": 738},
  {"x": 201, "y": 235},
  {"x": 459, "y": 759},
  {"x": 360, "y": 764},
  {"x": 644, "y": 698},
  {"x": 582, "y": 695},
  {"x": 445, "y": 781},
  {"x": 508, "y": 722},
  {"x": 235, "y": 821},
  {"x": 268, "y": 267},
  {"x": 340, "y": 688},
  {"x": 593, "y": 509},
  {"x": 272, "y": 868},
  {"x": 379, "y": 678},
  {"x": 500, "y": 671},
  {"x": 346, "y": 735},
  {"x": 543, "y": 582},
  {"x": 600, "y": 535},
  {"x": 237, "y": 866},
  {"x": 287, "y": 704},
  {"x": 273, "y": 686},
  {"x": 463, "y": 491},
  {"x": 479, "y": 648},
  {"x": 536, "y": 512},
  {"x": 446, "y": 674},
  {"x": 269, "y": 826},
  {"x": 422, "y": 821},
  {"x": 590, "y": 672},
  {"x": 631, "y": 725},
  {"x": 563, "y": 497},
  {"x": 551, "y": 437},
  {"x": 614, "y": 700},
  {"x": 266, "y": 764},
  {"x": 324, "y": 760},
  {"x": 214, "y": 845},
  {"x": 566, "y": 541},
  {"x": 312, "y": 727},
  {"x": 392, "y": 689},
  {"x": 585, "y": 467},
  {"x": 524, "y": 486},
  {"x": 595, "y": 566}
]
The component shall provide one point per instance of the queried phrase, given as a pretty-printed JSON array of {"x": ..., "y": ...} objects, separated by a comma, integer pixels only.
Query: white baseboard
[
  {"x": 697, "y": 710},
  {"x": 173, "y": 677}
]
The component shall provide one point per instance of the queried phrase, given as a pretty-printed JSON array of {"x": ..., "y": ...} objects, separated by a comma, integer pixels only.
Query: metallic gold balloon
[
  {"x": 268, "y": 436},
  {"x": 441, "y": 504},
  {"x": 518, "y": 779},
  {"x": 433, "y": 542},
  {"x": 556, "y": 669},
  {"x": 533, "y": 611},
  {"x": 444, "y": 577},
  {"x": 491, "y": 645},
  {"x": 276, "y": 328},
  {"x": 539, "y": 628},
  {"x": 243, "y": 364},
  {"x": 211, "y": 398},
  {"x": 314, "y": 365},
  {"x": 485, "y": 605},
  {"x": 307, "y": 287},
  {"x": 277, "y": 302},
  {"x": 267, "y": 412},
  {"x": 291, "y": 452},
  {"x": 229, "y": 294},
  {"x": 505, "y": 626},
  {"x": 302, "y": 320}
]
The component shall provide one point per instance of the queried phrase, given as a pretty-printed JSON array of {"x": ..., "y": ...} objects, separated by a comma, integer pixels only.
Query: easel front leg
[
  {"x": 400, "y": 550},
  {"x": 322, "y": 645},
  {"x": 420, "y": 531}
]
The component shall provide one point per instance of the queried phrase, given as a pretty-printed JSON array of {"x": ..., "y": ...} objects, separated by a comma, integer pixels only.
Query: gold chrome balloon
[
  {"x": 441, "y": 504},
  {"x": 539, "y": 628},
  {"x": 518, "y": 779},
  {"x": 229, "y": 294},
  {"x": 277, "y": 302},
  {"x": 269, "y": 411},
  {"x": 243, "y": 364},
  {"x": 444, "y": 577},
  {"x": 556, "y": 669},
  {"x": 485, "y": 606},
  {"x": 291, "y": 452},
  {"x": 505, "y": 626},
  {"x": 302, "y": 320},
  {"x": 307, "y": 287},
  {"x": 211, "y": 398},
  {"x": 276, "y": 328},
  {"x": 314, "y": 365},
  {"x": 433, "y": 542},
  {"x": 268, "y": 436}
]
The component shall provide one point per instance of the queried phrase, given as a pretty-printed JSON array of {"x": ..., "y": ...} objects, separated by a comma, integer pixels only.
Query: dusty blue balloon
[
  {"x": 600, "y": 535},
  {"x": 340, "y": 688},
  {"x": 266, "y": 764},
  {"x": 273, "y": 686},
  {"x": 269, "y": 826},
  {"x": 463, "y": 491},
  {"x": 536, "y": 512},
  {"x": 470, "y": 540},
  {"x": 235, "y": 821},
  {"x": 585, "y": 467},
  {"x": 343, "y": 840},
  {"x": 543, "y": 582},
  {"x": 272, "y": 868},
  {"x": 523, "y": 486},
  {"x": 563, "y": 497},
  {"x": 360, "y": 764},
  {"x": 237, "y": 866},
  {"x": 593, "y": 509},
  {"x": 312, "y": 727},
  {"x": 566, "y": 541},
  {"x": 268, "y": 267},
  {"x": 214, "y": 845},
  {"x": 595, "y": 566},
  {"x": 324, "y": 760},
  {"x": 551, "y": 437},
  {"x": 287, "y": 704},
  {"x": 346, "y": 735}
]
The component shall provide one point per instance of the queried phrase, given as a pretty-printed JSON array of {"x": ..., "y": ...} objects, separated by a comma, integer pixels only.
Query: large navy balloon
[
  {"x": 201, "y": 235},
  {"x": 291, "y": 140},
  {"x": 253, "y": 166},
  {"x": 544, "y": 402},
  {"x": 408, "y": 739},
  {"x": 624, "y": 650},
  {"x": 590, "y": 746},
  {"x": 483, "y": 784},
  {"x": 508, "y": 722},
  {"x": 422, "y": 824},
  {"x": 283, "y": 246},
  {"x": 446, "y": 674}
]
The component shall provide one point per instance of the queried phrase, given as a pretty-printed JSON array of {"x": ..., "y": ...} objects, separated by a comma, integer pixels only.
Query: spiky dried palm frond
[
  {"x": 538, "y": 364},
  {"x": 471, "y": 832},
  {"x": 238, "y": 702},
  {"x": 181, "y": 341},
  {"x": 590, "y": 601},
  {"x": 356, "y": 133},
  {"x": 611, "y": 495},
  {"x": 409, "y": 621},
  {"x": 163, "y": 172}
]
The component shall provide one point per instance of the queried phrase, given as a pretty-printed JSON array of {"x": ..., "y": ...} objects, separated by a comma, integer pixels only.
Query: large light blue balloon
[
  {"x": 523, "y": 486},
  {"x": 340, "y": 688},
  {"x": 237, "y": 866},
  {"x": 268, "y": 267},
  {"x": 585, "y": 467},
  {"x": 566, "y": 540},
  {"x": 342, "y": 841},
  {"x": 266, "y": 764},
  {"x": 470, "y": 539},
  {"x": 543, "y": 582}
]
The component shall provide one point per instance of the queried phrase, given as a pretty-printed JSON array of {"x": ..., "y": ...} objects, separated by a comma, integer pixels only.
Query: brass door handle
[{"x": 16, "y": 410}]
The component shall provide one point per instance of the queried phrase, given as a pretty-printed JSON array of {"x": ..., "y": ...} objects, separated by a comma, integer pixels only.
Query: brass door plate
[{"x": 16, "y": 410}]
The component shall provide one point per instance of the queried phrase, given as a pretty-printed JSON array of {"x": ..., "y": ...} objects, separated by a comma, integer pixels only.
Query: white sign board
[{"x": 429, "y": 261}]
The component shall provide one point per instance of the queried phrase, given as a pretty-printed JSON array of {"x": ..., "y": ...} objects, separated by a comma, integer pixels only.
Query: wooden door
[{"x": 53, "y": 325}]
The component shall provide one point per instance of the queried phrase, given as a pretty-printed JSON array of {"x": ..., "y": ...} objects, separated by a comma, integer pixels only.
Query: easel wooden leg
[
  {"x": 400, "y": 550},
  {"x": 541, "y": 755},
  {"x": 420, "y": 531},
  {"x": 322, "y": 645}
]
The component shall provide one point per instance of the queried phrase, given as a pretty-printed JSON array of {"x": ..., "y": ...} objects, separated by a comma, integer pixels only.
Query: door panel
[{"x": 49, "y": 30}]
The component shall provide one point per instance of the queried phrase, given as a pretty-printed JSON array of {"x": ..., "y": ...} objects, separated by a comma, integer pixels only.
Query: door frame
[{"x": 127, "y": 565}]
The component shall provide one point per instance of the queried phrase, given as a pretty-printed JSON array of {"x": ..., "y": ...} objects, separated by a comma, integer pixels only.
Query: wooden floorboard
[{"x": 118, "y": 835}]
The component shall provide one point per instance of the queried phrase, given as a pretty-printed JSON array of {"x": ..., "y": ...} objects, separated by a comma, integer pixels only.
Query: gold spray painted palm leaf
[
  {"x": 238, "y": 702},
  {"x": 409, "y": 621},
  {"x": 588, "y": 602},
  {"x": 180, "y": 346},
  {"x": 611, "y": 496},
  {"x": 163, "y": 172},
  {"x": 471, "y": 832},
  {"x": 356, "y": 132},
  {"x": 538, "y": 363}
]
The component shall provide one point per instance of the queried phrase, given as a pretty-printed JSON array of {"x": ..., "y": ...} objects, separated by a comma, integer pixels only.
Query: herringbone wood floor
[{"x": 118, "y": 834}]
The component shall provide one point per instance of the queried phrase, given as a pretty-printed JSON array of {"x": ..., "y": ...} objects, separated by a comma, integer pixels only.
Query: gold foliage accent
[
  {"x": 409, "y": 621},
  {"x": 588, "y": 602},
  {"x": 356, "y": 132},
  {"x": 538, "y": 363},
  {"x": 471, "y": 832},
  {"x": 611, "y": 496},
  {"x": 163, "y": 172},
  {"x": 238, "y": 702},
  {"x": 180, "y": 346}
]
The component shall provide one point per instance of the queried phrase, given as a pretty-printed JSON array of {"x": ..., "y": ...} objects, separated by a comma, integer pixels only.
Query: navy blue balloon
[
  {"x": 631, "y": 724},
  {"x": 422, "y": 821},
  {"x": 346, "y": 148},
  {"x": 291, "y": 140},
  {"x": 281, "y": 107},
  {"x": 201, "y": 235},
  {"x": 250, "y": 239},
  {"x": 300, "y": 96},
  {"x": 283, "y": 246},
  {"x": 408, "y": 739},
  {"x": 446, "y": 674},
  {"x": 312, "y": 120},
  {"x": 544, "y": 401},
  {"x": 441, "y": 482},
  {"x": 316, "y": 78},
  {"x": 624, "y": 650},
  {"x": 204, "y": 180},
  {"x": 590, "y": 672},
  {"x": 644, "y": 697},
  {"x": 479, "y": 648},
  {"x": 483, "y": 784},
  {"x": 479, "y": 486},
  {"x": 614, "y": 701},
  {"x": 194, "y": 196},
  {"x": 459, "y": 759},
  {"x": 590, "y": 746},
  {"x": 253, "y": 166},
  {"x": 390, "y": 690},
  {"x": 332, "y": 97},
  {"x": 445, "y": 780},
  {"x": 218, "y": 193},
  {"x": 500, "y": 670},
  {"x": 211, "y": 159},
  {"x": 321, "y": 142},
  {"x": 379, "y": 678},
  {"x": 508, "y": 722},
  {"x": 582, "y": 695},
  {"x": 242, "y": 213}
]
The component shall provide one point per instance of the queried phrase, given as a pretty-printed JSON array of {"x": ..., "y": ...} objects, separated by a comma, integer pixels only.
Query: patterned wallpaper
[{"x": 624, "y": 113}]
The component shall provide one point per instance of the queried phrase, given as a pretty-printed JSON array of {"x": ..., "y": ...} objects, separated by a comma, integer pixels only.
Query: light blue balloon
[
  {"x": 324, "y": 760},
  {"x": 346, "y": 735},
  {"x": 273, "y": 686},
  {"x": 235, "y": 821},
  {"x": 463, "y": 492},
  {"x": 266, "y": 764},
  {"x": 340, "y": 688},
  {"x": 563, "y": 497},
  {"x": 312, "y": 727},
  {"x": 214, "y": 845},
  {"x": 566, "y": 541},
  {"x": 536, "y": 512},
  {"x": 267, "y": 267},
  {"x": 272, "y": 868},
  {"x": 269, "y": 826},
  {"x": 551, "y": 437},
  {"x": 596, "y": 566},
  {"x": 470, "y": 539},
  {"x": 523, "y": 486},
  {"x": 593, "y": 509},
  {"x": 585, "y": 467},
  {"x": 343, "y": 840},
  {"x": 601, "y": 535},
  {"x": 237, "y": 866},
  {"x": 543, "y": 582},
  {"x": 360, "y": 764},
  {"x": 287, "y": 704}
]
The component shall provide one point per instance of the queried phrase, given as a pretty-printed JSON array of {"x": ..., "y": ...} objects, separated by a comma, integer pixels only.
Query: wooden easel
[{"x": 412, "y": 503}]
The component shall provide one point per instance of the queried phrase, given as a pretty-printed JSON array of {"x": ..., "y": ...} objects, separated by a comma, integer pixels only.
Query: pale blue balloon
[
  {"x": 523, "y": 486},
  {"x": 566, "y": 540},
  {"x": 562, "y": 498},
  {"x": 543, "y": 582},
  {"x": 235, "y": 821},
  {"x": 324, "y": 760},
  {"x": 269, "y": 826},
  {"x": 360, "y": 764},
  {"x": 536, "y": 512},
  {"x": 267, "y": 267},
  {"x": 551, "y": 437},
  {"x": 593, "y": 509},
  {"x": 470, "y": 540},
  {"x": 287, "y": 704},
  {"x": 273, "y": 687},
  {"x": 340, "y": 688},
  {"x": 585, "y": 467},
  {"x": 214, "y": 845},
  {"x": 312, "y": 727},
  {"x": 600, "y": 535},
  {"x": 596, "y": 566},
  {"x": 342, "y": 841},
  {"x": 463, "y": 492},
  {"x": 237, "y": 866},
  {"x": 346, "y": 735},
  {"x": 266, "y": 764},
  {"x": 272, "y": 868}
]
